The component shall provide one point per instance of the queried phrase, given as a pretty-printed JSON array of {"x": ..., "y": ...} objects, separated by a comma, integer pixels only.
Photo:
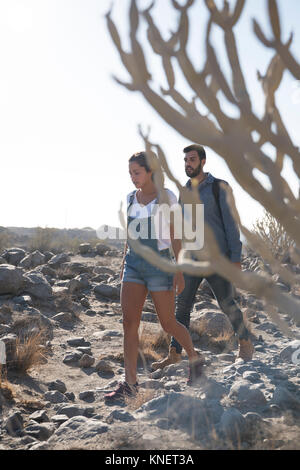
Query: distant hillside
[{"x": 23, "y": 236}]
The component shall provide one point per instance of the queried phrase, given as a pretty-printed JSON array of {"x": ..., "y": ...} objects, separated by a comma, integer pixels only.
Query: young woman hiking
[{"x": 139, "y": 276}]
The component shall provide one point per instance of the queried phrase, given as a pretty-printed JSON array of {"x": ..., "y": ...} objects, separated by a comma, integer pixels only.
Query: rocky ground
[{"x": 71, "y": 302}]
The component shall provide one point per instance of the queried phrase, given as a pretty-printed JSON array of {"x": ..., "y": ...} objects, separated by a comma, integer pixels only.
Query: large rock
[
  {"x": 190, "y": 414},
  {"x": 55, "y": 397},
  {"x": 245, "y": 394},
  {"x": 106, "y": 290},
  {"x": 14, "y": 423},
  {"x": 78, "y": 283},
  {"x": 75, "y": 410},
  {"x": 79, "y": 428},
  {"x": 57, "y": 260},
  {"x": 102, "y": 249},
  {"x": 70, "y": 269},
  {"x": 233, "y": 424},
  {"x": 285, "y": 399},
  {"x": 14, "y": 255},
  {"x": 38, "y": 286},
  {"x": 213, "y": 324},
  {"x": 32, "y": 260},
  {"x": 12, "y": 279},
  {"x": 42, "y": 431},
  {"x": 84, "y": 248}
]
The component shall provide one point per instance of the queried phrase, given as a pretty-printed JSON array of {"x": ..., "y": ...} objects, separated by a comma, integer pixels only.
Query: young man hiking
[{"x": 218, "y": 215}]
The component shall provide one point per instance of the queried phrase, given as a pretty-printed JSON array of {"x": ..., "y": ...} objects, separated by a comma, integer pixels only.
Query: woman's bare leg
[
  {"x": 164, "y": 302},
  {"x": 133, "y": 296}
]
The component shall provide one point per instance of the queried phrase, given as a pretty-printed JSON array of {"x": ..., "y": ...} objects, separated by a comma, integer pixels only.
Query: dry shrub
[
  {"x": 201, "y": 328},
  {"x": 29, "y": 352},
  {"x": 153, "y": 345},
  {"x": 31, "y": 404},
  {"x": 274, "y": 235}
]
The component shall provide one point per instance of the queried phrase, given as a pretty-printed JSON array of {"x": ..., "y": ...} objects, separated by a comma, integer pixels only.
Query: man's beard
[{"x": 195, "y": 172}]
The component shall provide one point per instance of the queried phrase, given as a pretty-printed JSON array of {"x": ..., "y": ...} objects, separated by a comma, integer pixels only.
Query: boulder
[
  {"x": 78, "y": 283},
  {"x": 14, "y": 423},
  {"x": 57, "y": 385},
  {"x": 285, "y": 399},
  {"x": 55, "y": 397},
  {"x": 40, "y": 416},
  {"x": 79, "y": 428},
  {"x": 57, "y": 260},
  {"x": 63, "y": 317},
  {"x": 86, "y": 360},
  {"x": 32, "y": 260},
  {"x": 244, "y": 393},
  {"x": 14, "y": 255},
  {"x": 213, "y": 324},
  {"x": 102, "y": 249},
  {"x": 38, "y": 286},
  {"x": 84, "y": 248},
  {"x": 193, "y": 415},
  {"x": 12, "y": 280},
  {"x": 233, "y": 424},
  {"x": 107, "y": 290},
  {"x": 75, "y": 410},
  {"x": 42, "y": 432}
]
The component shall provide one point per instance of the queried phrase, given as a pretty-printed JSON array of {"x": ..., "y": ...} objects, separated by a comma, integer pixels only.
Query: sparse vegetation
[
  {"x": 152, "y": 346},
  {"x": 4, "y": 239},
  {"x": 52, "y": 239},
  {"x": 29, "y": 352},
  {"x": 274, "y": 235}
]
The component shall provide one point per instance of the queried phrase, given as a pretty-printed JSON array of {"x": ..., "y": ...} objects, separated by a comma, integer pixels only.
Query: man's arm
[{"x": 231, "y": 230}]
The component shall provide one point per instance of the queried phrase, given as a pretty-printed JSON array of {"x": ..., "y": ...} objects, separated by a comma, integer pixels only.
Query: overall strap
[{"x": 131, "y": 199}]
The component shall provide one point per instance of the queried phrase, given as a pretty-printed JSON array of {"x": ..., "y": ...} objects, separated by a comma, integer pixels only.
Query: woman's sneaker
[
  {"x": 195, "y": 370},
  {"x": 122, "y": 391}
]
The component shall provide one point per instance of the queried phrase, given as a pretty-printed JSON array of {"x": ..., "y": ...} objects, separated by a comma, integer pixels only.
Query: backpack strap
[{"x": 216, "y": 193}]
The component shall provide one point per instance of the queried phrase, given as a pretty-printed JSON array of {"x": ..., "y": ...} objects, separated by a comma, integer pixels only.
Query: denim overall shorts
[{"x": 136, "y": 268}]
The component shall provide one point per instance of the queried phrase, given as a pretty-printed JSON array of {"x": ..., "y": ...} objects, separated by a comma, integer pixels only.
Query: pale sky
[{"x": 67, "y": 129}]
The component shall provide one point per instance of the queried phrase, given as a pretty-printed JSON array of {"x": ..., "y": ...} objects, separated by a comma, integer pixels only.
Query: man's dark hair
[
  {"x": 141, "y": 159},
  {"x": 199, "y": 149}
]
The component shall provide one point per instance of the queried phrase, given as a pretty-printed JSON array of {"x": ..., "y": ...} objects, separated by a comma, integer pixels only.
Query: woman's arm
[
  {"x": 178, "y": 281},
  {"x": 123, "y": 260}
]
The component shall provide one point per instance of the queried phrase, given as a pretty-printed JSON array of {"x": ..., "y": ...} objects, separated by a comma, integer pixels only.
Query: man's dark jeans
[{"x": 223, "y": 292}]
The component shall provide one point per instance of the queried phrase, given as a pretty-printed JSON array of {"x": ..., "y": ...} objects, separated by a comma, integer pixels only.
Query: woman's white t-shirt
[{"x": 161, "y": 216}]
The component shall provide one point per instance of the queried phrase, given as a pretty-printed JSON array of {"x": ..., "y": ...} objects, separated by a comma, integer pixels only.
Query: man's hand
[
  {"x": 178, "y": 283},
  {"x": 238, "y": 265}
]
